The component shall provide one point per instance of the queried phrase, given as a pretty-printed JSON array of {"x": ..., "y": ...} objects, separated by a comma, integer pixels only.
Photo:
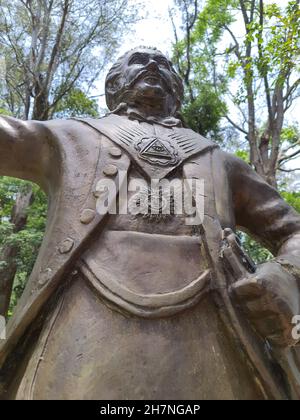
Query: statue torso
[{"x": 137, "y": 321}]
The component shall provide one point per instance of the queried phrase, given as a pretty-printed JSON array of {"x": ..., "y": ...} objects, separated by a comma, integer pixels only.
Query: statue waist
[{"x": 149, "y": 275}]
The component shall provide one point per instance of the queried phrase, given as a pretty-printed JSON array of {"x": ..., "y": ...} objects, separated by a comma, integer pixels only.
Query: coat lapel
[
  {"x": 156, "y": 156},
  {"x": 72, "y": 219}
]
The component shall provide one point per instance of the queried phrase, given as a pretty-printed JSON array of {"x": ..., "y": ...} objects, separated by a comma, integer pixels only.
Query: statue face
[
  {"x": 148, "y": 75},
  {"x": 144, "y": 76}
]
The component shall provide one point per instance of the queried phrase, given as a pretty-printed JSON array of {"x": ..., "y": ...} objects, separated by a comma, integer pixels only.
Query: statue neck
[{"x": 145, "y": 114}]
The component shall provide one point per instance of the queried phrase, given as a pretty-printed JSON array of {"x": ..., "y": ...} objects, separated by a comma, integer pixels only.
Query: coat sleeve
[
  {"x": 261, "y": 211},
  {"x": 24, "y": 150}
]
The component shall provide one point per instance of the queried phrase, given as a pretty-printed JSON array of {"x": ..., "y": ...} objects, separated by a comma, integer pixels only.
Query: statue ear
[
  {"x": 174, "y": 104},
  {"x": 113, "y": 88}
]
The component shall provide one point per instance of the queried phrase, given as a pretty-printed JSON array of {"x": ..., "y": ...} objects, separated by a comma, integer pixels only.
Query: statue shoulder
[
  {"x": 231, "y": 163},
  {"x": 74, "y": 130}
]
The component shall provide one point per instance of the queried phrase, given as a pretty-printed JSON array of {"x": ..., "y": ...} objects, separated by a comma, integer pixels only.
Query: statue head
[{"x": 144, "y": 77}]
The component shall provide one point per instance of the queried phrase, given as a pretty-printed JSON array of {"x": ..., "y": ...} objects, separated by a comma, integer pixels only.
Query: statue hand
[{"x": 270, "y": 299}]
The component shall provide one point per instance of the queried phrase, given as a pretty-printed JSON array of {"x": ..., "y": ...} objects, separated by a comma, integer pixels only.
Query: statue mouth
[{"x": 150, "y": 77}]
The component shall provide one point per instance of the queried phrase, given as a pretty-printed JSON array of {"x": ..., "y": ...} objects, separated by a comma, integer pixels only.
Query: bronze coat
[{"x": 66, "y": 158}]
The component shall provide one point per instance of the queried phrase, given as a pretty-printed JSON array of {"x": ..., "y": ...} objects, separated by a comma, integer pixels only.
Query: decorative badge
[{"x": 157, "y": 151}]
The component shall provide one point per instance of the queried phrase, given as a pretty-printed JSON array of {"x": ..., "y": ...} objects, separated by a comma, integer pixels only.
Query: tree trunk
[
  {"x": 41, "y": 105},
  {"x": 9, "y": 252}
]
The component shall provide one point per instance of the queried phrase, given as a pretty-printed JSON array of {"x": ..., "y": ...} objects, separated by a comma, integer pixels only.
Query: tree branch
[
  {"x": 236, "y": 125},
  {"x": 291, "y": 156},
  {"x": 288, "y": 170}
]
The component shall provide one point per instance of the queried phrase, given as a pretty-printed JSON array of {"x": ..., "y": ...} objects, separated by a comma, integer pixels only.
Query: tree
[
  {"x": 253, "y": 48},
  {"x": 76, "y": 103},
  {"x": 203, "y": 106},
  {"x": 21, "y": 232},
  {"x": 53, "y": 46},
  {"x": 214, "y": 55}
]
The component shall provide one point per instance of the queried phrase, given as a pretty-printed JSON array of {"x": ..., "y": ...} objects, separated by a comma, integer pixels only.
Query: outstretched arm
[
  {"x": 260, "y": 210},
  {"x": 271, "y": 296},
  {"x": 24, "y": 150}
]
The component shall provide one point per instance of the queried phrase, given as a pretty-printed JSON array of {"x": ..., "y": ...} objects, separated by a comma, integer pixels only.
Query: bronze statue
[{"x": 139, "y": 306}]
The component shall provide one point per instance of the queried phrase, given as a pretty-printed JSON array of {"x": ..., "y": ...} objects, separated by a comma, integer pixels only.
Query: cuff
[{"x": 290, "y": 263}]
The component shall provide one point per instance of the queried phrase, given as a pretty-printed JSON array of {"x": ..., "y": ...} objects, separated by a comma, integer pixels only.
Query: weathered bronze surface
[{"x": 132, "y": 306}]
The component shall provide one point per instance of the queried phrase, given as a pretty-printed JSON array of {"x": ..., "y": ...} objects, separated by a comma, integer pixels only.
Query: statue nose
[{"x": 152, "y": 65}]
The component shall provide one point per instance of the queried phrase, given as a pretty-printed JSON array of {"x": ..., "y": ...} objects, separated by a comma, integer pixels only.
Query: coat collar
[{"x": 157, "y": 155}]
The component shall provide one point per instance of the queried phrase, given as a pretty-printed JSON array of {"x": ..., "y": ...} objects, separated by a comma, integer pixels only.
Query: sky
[{"x": 156, "y": 30}]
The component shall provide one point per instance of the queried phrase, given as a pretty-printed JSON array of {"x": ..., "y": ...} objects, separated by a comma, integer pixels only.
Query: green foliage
[
  {"x": 76, "y": 104},
  {"x": 214, "y": 16},
  {"x": 194, "y": 57},
  {"x": 293, "y": 198},
  {"x": 245, "y": 54},
  {"x": 204, "y": 113},
  {"x": 274, "y": 42},
  {"x": 257, "y": 252},
  {"x": 51, "y": 47},
  {"x": 291, "y": 134},
  {"x": 244, "y": 155},
  {"x": 277, "y": 41},
  {"x": 3, "y": 111},
  {"x": 29, "y": 239}
]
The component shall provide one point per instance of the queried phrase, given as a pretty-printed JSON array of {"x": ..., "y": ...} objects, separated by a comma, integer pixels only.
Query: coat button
[
  {"x": 115, "y": 152},
  {"x": 100, "y": 194},
  {"x": 66, "y": 246},
  {"x": 110, "y": 170},
  {"x": 87, "y": 216},
  {"x": 45, "y": 276}
]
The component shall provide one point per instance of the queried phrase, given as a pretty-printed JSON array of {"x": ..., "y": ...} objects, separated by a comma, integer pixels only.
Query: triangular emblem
[
  {"x": 180, "y": 143},
  {"x": 156, "y": 148}
]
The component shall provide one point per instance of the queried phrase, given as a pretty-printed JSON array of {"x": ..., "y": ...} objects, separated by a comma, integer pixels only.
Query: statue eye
[
  {"x": 163, "y": 63},
  {"x": 139, "y": 59}
]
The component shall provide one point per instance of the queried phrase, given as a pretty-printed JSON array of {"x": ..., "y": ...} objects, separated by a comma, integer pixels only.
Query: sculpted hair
[{"x": 115, "y": 83}]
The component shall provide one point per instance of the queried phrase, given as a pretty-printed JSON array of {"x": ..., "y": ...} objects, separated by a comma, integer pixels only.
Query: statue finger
[
  {"x": 248, "y": 288},
  {"x": 260, "y": 307}
]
